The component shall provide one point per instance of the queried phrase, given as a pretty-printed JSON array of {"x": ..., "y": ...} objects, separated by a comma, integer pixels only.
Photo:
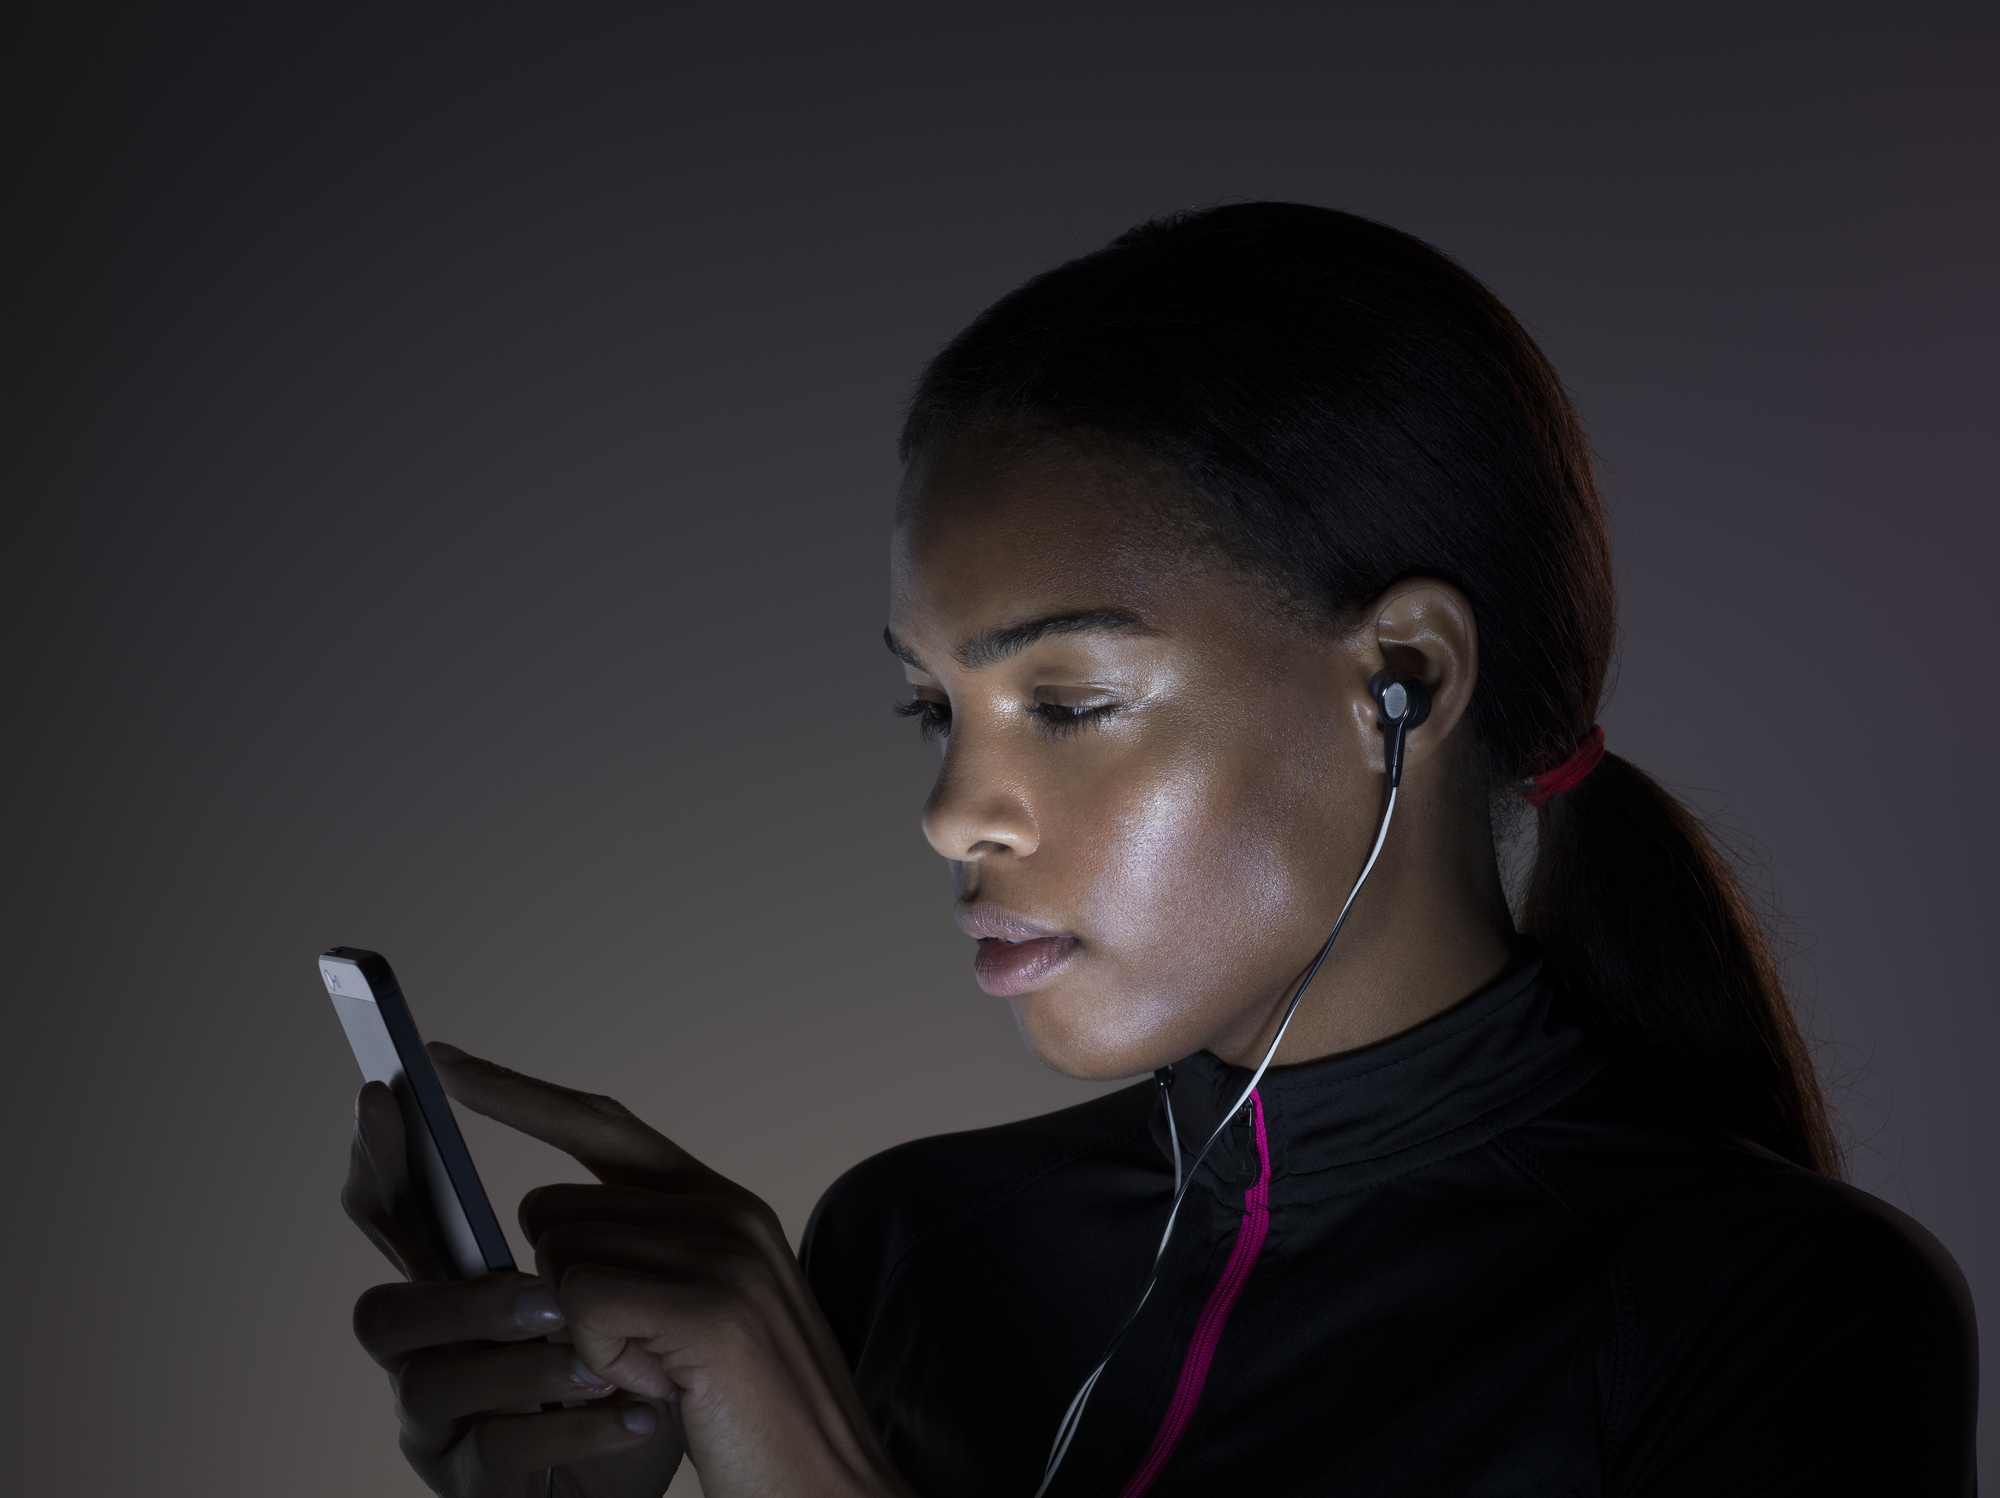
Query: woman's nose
[{"x": 977, "y": 811}]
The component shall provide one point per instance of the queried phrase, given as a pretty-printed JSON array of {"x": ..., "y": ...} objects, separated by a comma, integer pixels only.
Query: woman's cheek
[
  {"x": 1148, "y": 859},
  {"x": 1191, "y": 894}
]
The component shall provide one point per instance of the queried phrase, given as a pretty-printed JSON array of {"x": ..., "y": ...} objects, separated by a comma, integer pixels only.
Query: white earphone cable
[{"x": 1073, "y": 1417}]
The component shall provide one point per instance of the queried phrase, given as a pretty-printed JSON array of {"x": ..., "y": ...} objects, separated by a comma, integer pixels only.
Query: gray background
[{"x": 461, "y": 451}]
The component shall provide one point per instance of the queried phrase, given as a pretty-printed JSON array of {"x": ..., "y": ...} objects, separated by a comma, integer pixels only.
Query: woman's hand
[
  {"x": 677, "y": 1288},
  {"x": 469, "y": 1386}
]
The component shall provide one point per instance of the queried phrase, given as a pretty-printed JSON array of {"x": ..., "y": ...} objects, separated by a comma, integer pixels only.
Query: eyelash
[
  {"x": 934, "y": 718},
  {"x": 1063, "y": 721}
]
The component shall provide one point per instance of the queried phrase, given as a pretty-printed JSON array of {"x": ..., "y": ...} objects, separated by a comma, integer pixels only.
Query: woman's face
[{"x": 1155, "y": 789}]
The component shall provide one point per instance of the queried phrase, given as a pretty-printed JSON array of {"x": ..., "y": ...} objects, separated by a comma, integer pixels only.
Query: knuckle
[
  {"x": 601, "y": 1278},
  {"x": 607, "y": 1109},
  {"x": 763, "y": 1234},
  {"x": 484, "y": 1449},
  {"x": 582, "y": 1287},
  {"x": 556, "y": 1234},
  {"x": 736, "y": 1327},
  {"x": 560, "y": 1200},
  {"x": 375, "y": 1310},
  {"x": 740, "y": 1271},
  {"x": 743, "y": 1259},
  {"x": 416, "y": 1384},
  {"x": 744, "y": 1219},
  {"x": 563, "y": 1242}
]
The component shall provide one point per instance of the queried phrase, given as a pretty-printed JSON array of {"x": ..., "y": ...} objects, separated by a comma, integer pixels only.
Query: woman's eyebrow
[{"x": 996, "y": 645}]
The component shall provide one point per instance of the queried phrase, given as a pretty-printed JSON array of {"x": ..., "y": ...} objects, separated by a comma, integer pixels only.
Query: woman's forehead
[
  {"x": 1035, "y": 554},
  {"x": 1024, "y": 548},
  {"x": 978, "y": 516}
]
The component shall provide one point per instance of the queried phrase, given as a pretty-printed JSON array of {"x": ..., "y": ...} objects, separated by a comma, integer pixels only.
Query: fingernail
[
  {"x": 638, "y": 1418},
  {"x": 583, "y": 1378},
  {"x": 536, "y": 1309}
]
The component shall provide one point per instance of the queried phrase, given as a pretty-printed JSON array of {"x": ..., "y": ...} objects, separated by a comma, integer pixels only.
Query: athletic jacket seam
[{"x": 1543, "y": 1173}]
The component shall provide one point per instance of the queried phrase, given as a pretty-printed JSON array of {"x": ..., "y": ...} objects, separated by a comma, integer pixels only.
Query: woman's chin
[{"x": 1064, "y": 1030}]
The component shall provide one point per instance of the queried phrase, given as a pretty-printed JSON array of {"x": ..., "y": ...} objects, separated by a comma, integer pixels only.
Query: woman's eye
[
  {"x": 1060, "y": 717},
  {"x": 933, "y": 718}
]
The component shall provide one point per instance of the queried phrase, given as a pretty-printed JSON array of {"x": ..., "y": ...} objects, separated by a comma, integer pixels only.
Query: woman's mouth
[
  {"x": 1015, "y": 953},
  {"x": 1005, "y": 968}
]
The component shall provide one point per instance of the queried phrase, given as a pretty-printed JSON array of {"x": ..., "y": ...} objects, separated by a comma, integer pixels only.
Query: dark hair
[{"x": 1350, "y": 407}]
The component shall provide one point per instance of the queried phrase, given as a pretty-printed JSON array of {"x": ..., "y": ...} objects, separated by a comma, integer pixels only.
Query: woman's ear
[{"x": 1425, "y": 626}]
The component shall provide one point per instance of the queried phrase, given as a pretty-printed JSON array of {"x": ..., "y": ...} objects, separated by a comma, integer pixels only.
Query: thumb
[{"x": 380, "y": 1195}]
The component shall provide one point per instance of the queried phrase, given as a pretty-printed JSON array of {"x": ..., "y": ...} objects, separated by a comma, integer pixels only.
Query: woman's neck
[{"x": 1429, "y": 929}]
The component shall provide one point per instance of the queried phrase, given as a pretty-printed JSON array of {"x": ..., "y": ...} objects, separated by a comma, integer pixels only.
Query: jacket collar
[{"x": 1333, "y": 1124}]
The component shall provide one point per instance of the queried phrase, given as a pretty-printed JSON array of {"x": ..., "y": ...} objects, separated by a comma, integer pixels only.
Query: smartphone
[{"x": 370, "y": 1005}]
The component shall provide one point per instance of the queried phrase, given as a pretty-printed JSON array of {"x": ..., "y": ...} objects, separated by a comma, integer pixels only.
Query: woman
[{"x": 1554, "y": 1210}]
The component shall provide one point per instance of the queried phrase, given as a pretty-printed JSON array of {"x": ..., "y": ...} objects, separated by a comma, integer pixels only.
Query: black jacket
[{"x": 1481, "y": 1258}]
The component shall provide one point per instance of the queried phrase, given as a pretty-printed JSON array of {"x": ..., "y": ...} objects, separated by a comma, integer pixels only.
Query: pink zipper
[{"x": 1214, "y": 1316}]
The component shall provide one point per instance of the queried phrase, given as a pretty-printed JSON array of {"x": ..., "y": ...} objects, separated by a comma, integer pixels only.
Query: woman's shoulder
[
  {"x": 1647, "y": 1172},
  {"x": 911, "y": 1189},
  {"x": 1756, "y": 1297},
  {"x": 1743, "y": 1224},
  {"x": 877, "y": 1213}
]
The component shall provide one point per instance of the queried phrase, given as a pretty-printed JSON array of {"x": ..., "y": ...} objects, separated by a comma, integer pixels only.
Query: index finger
[{"x": 600, "y": 1132}]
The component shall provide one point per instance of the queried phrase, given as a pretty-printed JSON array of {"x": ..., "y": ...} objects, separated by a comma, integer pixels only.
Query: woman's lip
[
  {"x": 1005, "y": 968},
  {"x": 980, "y": 921}
]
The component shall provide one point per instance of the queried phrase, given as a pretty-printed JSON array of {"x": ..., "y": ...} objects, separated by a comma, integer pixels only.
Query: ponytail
[
  {"x": 1349, "y": 408},
  {"x": 1648, "y": 933}
]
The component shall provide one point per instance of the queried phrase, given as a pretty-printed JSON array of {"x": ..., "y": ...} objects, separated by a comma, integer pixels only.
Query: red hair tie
[{"x": 1569, "y": 774}]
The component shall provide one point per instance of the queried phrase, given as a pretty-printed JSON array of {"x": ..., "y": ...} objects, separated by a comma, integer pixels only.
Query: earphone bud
[{"x": 1402, "y": 702}]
